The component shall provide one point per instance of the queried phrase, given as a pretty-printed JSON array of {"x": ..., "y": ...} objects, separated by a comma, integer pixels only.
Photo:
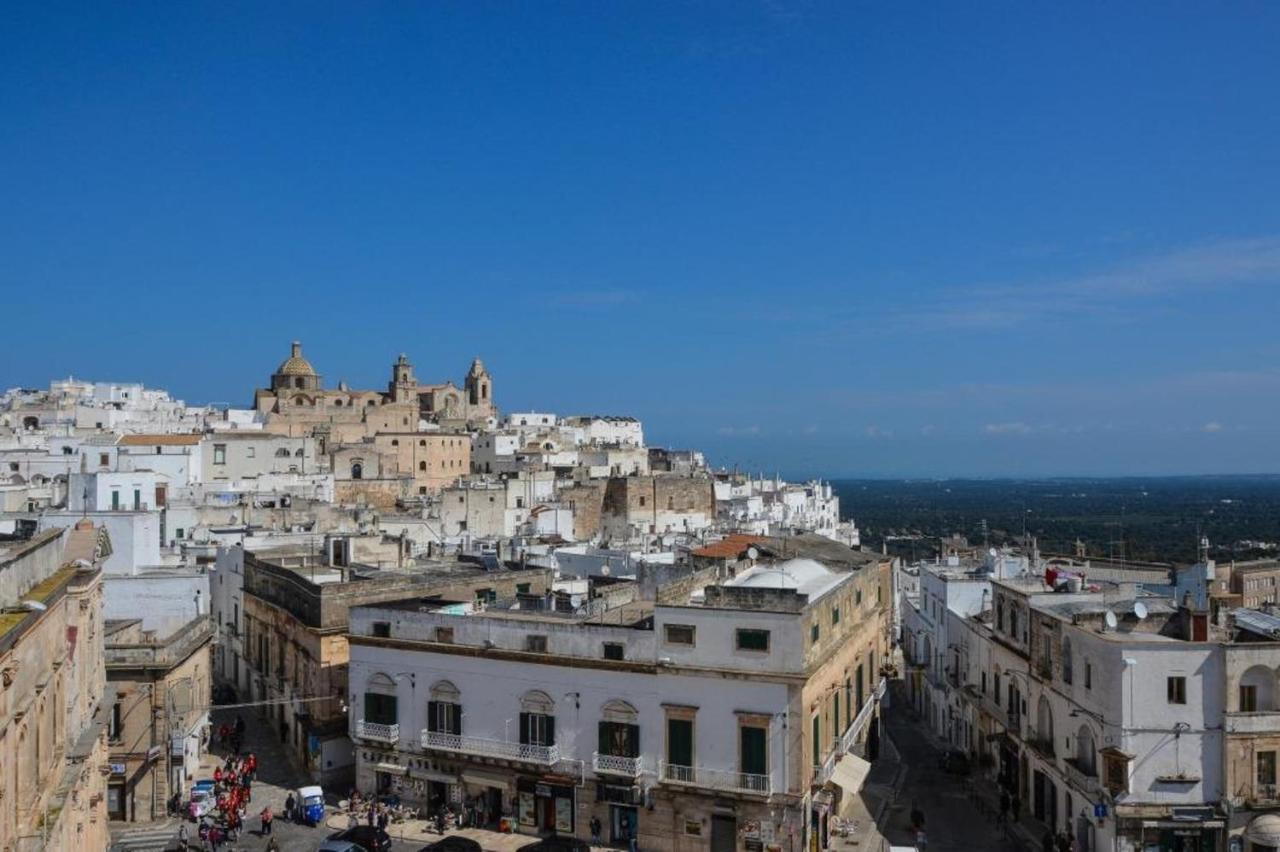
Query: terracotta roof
[
  {"x": 729, "y": 547},
  {"x": 159, "y": 440}
]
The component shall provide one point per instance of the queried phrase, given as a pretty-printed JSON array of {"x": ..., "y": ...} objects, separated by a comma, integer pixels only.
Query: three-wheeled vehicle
[{"x": 311, "y": 805}]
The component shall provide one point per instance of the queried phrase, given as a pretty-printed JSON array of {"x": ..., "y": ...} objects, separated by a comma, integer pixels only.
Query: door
[
  {"x": 724, "y": 833},
  {"x": 624, "y": 823}
]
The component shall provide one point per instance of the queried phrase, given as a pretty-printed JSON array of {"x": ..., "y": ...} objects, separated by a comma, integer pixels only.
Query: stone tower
[
  {"x": 479, "y": 385},
  {"x": 404, "y": 385}
]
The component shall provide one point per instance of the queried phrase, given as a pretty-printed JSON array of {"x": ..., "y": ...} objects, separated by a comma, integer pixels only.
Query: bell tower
[
  {"x": 404, "y": 385},
  {"x": 479, "y": 385}
]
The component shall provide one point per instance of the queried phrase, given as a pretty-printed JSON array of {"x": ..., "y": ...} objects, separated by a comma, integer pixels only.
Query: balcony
[
  {"x": 1043, "y": 670},
  {"x": 612, "y": 764},
  {"x": 1042, "y": 745},
  {"x": 378, "y": 732},
  {"x": 1083, "y": 779},
  {"x": 850, "y": 737},
  {"x": 1264, "y": 795},
  {"x": 716, "y": 779},
  {"x": 1253, "y": 723},
  {"x": 482, "y": 747},
  {"x": 1015, "y": 721}
]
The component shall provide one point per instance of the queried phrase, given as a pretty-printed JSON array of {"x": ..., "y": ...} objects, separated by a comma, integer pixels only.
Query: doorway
[
  {"x": 622, "y": 823},
  {"x": 724, "y": 833}
]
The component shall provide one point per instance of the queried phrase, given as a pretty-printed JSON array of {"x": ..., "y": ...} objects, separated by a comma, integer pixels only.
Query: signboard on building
[{"x": 117, "y": 768}]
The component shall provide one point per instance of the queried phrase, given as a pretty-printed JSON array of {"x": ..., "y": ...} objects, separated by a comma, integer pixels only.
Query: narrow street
[{"x": 953, "y": 820}]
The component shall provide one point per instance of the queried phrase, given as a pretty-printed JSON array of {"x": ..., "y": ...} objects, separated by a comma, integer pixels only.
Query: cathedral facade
[{"x": 296, "y": 397}]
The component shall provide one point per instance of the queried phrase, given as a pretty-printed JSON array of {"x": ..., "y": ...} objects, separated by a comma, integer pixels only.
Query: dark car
[
  {"x": 454, "y": 843},
  {"x": 366, "y": 836},
  {"x": 956, "y": 762},
  {"x": 558, "y": 843}
]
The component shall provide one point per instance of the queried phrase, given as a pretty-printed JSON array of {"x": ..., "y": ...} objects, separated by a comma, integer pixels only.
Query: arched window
[
  {"x": 422, "y": 443},
  {"x": 30, "y": 423},
  {"x": 537, "y": 719},
  {"x": 1044, "y": 726},
  {"x": 298, "y": 452},
  {"x": 1086, "y": 752},
  {"x": 282, "y": 453},
  {"x": 395, "y": 442},
  {"x": 619, "y": 734},
  {"x": 380, "y": 700},
  {"x": 1067, "y": 673},
  {"x": 422, "y": 465},
  {"x": 1257, "y": 690},
  {"x": 444, "y": 710},
  {"x": 299, "y": 383},
  {"x": 337, "y": 403},
  {"x": 357, "y": 470}
]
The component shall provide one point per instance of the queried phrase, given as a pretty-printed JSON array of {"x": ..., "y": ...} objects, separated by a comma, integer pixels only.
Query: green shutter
[
  {"x": 680, "y": 742},
  {"x": 754, "y": 759}
]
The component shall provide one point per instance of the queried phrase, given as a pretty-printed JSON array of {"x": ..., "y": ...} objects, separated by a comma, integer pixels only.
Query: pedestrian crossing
[{"x": 151, "y": 839}]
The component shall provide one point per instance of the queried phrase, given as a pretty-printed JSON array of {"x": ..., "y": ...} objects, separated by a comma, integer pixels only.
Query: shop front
[
  {"x": 1190, "y": 829},
  {"x": 546, "y": 805}
]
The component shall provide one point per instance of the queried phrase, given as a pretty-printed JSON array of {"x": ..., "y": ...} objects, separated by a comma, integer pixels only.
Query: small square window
[
  {"x": 679, "y": 634},
  {"x": 753, "y": 640},
  {"x": 382, "y": 629},
  {"x": 1177, "y": 690},
  {"x": 614, "y": 650}
]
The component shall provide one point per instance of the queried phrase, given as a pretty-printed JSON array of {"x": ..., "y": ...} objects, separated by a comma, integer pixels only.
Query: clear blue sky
[{"x": 902, "y": 238}]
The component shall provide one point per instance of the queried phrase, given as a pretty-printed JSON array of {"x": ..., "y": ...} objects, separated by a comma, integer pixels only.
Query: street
[{"x": 953, "y": 820}]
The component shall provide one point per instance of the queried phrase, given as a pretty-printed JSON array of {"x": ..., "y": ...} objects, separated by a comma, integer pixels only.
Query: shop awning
[
  {"x": 849, "y": 774},
  {"x": 486, "y": 779}
]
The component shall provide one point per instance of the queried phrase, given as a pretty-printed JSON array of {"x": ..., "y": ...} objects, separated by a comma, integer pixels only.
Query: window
[
  {"x": 219, "y": 453},
  {"x": 679, "y": 634},
  {"x": 835, "y": 615},
  {"x": 104, "y": 460},
  {"x": 680, "y": 742},
  {"x": 642, "y": 501},
  {"x": 1176, "y": 689},
  {"x": 753, "y": 755},
  {"x": 380, "y": 705},
  {"x": 535, "y": 644},
  {"x": 1266, "y": 768},
  {"x": 857, "y": 598},
  {"x": 444, "y": 710},
  {"x": 1067, "y": 662},
  {"x": 618, "y": 733},
  {"x": 814, "y": 632},
  {"x": 178, "y": 533},
  {"x": 382, "y": 629},
  {"x": 614, "y": 650},
  {"x": 115, "y": 501},
  {"x": 116, "y": 728},
  {"x": 537, "y": 722},
  {"x": 753, "y": 640},
  {"x": 444, "y": 635},
  {"x": 522, "y": 588},
  {"x": 252, "y": 452},
  {"x": 1088, "y": 675},
  {"x": 817, "y": 740},
  {"x": 1248, "y": 698}
]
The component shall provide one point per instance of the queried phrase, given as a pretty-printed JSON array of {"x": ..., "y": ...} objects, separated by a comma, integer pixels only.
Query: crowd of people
[{"x": 232, "y": 794}]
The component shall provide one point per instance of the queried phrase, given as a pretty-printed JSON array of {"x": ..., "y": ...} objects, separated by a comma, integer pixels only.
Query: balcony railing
[
  {"x": 716, "y": 779},
  {"x": 1043, "y": 745},
  {"x": 482, "y": 747},
  {"x": 1081, "y": 778},
  {"x": 616, "y": 765},
  {"x": 850, "y": 737},
  {"x": 378, "y": 732}
]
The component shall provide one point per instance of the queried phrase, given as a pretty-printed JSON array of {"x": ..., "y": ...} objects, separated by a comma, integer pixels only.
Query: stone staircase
[{"x": 153, "y": 837}]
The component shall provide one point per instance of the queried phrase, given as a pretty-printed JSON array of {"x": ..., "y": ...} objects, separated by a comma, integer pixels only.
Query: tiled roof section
[
  {"x": 159, "y": 440},
  {"x": 729, "y": 547}
]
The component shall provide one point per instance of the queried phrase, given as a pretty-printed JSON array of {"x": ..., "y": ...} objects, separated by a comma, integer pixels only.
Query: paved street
[{"x": 952, "y": 818}]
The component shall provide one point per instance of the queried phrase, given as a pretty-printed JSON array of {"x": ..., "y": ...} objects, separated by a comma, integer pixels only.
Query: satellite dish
[
  {"x": 1140, "y": 610},
  {"x": 604, "y": 570},
  {"x": 753, "y": 554},
  {"x": 1111, "y": 620}
]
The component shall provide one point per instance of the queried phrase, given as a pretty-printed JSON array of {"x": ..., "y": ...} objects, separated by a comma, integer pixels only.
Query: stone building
[
  {"x": 53, "y": 756},
  {"x": 297, "y": 399},
  {"x": 639, "y": 506},
  {"x": 726, "y": 712},
  {"x": 296, "y": 601},
  {"x": 158, "y": 718}
]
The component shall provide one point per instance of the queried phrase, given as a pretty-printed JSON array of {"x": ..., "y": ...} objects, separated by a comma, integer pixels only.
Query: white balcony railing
[
  {"x": 850, "y": 737},
  {"x": 1085, "y": 782},
  {"x": 615, "y": 765},
  {"x": 378, "y": 732},
  {"x": 716, "y": 779},
  {"x": 483, "y": 747}
]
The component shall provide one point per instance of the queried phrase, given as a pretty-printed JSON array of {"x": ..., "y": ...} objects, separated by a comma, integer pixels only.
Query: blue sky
[{"x": 891, "y": 239}]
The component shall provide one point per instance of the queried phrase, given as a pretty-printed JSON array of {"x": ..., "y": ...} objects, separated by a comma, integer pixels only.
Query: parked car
[
  {"x": 454, "y": 843},
  {"x": 955, "y": 761},
  {"x": 340, "y": 846},
  {"x": 311, "y": 805},
  {"x": 368, "y": 837},
  {"x": 202, "y": 803}
]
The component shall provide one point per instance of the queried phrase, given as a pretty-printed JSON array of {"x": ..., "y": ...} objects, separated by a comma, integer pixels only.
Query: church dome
[{"x": 295, "y": 364}]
